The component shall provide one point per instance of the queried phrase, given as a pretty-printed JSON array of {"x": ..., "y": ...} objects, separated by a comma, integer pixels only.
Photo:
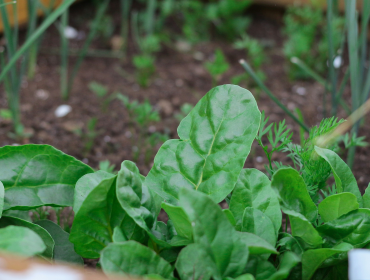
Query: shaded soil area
[{"x": 180, "y": 78}]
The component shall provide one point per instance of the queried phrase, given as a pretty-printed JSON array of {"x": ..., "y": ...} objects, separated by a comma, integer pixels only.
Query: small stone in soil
[{"x": 62, "y": 111}]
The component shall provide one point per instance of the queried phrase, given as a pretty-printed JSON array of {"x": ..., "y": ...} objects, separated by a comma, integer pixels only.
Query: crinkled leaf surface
[
  {"x": 255, "y": 221},
  {"x": 212, "y": 230},
  {"x": 44, "y": 235},
  {"x": 337, "y": 205},
  {"x": 352, "y": 228},
  {"x": 86, "y": 184},
  {"x": 33, "y": 174},
  {"x": 253, "y": 190},
  {"x": 288, "y": 261},
  {"x": 344, "y": 179},
  {"x": 215, "y": 140},
  {"x": 63, "y": 249},
  {"x": 21, "y": 240},
  {"x": 303, "y": 231},
  {"x": 293, "y": 194},
  {"x": 366, "y": 197},
  {"x": 256, "y": 244},
  {"x": 2, "y": 193},
  {"x": 194, "y": 262},
  {"x": 132, "y": 258},
  {"x": 96, "y": 219},
  {"x": 312, "y": 259}
]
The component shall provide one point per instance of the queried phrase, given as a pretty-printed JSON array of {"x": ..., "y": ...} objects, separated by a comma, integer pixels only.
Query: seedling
[
  {"x": 102, "y": 93},
  {"x": 184, "y": 111},
  {"x": 88, "y": 135},
  {"x": 142, "y": 115},
  {"x": 217, "y": 67},
  {"x": 255, "y": 55},
  {"x": 106, "y": 166}
]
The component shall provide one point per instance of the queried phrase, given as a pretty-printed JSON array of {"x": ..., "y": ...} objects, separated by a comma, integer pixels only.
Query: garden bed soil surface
[{"x": 180, "y": 77}]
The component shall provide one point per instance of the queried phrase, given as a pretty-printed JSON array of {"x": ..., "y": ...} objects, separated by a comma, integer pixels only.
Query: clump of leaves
[
  {"x": 314, "y": 170},
  {"x": 217, "y": 67},
  {"x": 88, "y": 135},
  {"x": 142, "y": 116},
  {"x": 117, "y": 215}
]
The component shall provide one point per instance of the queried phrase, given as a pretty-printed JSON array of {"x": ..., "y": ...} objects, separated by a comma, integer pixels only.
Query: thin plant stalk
[
  {"x": 95, "y": 25},
  {"x": 64, "y": 56},
  {"x": 32, "y": 20},
  {"x": 352, "y": 36},
  {"x": 332, "y": 74},
  {"x": 249, "y": 70},
  {"x": 150, "y": 14},
  {"x": 125, "y": 13}
]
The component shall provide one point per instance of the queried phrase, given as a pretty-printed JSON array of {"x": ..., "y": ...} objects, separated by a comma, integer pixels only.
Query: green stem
[{"x": 270, "y": 94}]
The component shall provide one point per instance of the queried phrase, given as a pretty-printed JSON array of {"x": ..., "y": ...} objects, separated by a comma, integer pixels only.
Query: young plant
[
  {"x": 142, "y": 115},
  {"x": 255, "y": 55},
  {"x": 106, "y": 166},
  {"x": 148, "y": 42},
  {"x": 88, "y": 135},
  {"x": 217, "y": 67},
  {"x": 102, "y": 93},
  {"x": 184, "y": 111}
]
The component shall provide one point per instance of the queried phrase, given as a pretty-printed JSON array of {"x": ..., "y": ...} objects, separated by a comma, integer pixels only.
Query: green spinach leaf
[
  {"x": 337, "y": 205},
  {"x": 215, "y": 140},
  {"x": 132, "y": 258},
  {"x": 293, "y": 194},
  {"x": 344, "y": 179},
  {"x": 63, "y": 249},
  {"x": 21, "y": 240},
  {"x": 33, "y": 174},
  {"x": 253, "y": 190},
  {"x": 44, "y": 235}
]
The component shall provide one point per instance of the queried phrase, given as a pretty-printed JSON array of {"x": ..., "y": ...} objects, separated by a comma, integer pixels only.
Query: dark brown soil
[{"x": 179, "y": 78}]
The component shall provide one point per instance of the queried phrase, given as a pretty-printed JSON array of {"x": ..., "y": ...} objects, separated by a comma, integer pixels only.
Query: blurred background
[{"x": 110, "y": 80}]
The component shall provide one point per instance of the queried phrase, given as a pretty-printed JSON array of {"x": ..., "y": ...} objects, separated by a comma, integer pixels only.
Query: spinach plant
[{"x": 117, "y": 215}]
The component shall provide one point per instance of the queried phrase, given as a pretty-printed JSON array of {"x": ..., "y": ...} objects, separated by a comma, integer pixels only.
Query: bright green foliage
[
  {"x": 337, "y": 205},
  {"x": 253, "y": 190},
  {"x": 42, "y": 233},
  {"x": 2, "y": 194},
  {"x": 312, "y": 259},
  {"x": 132, "y": 258},
  {"x": 21, "y": 240},
  {"x": 214, "y": 143},
  {"x": 217, "y": 67},
  {"x": 32, "y": 174},
  {"x": 116, "y": 215},
  {"x": 293, "y": 194}
]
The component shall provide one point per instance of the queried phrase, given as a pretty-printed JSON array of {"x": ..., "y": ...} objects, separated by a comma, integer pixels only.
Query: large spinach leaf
[
  {"x": 37, "y": 175},
  {"x": 215, "y": 140}
]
